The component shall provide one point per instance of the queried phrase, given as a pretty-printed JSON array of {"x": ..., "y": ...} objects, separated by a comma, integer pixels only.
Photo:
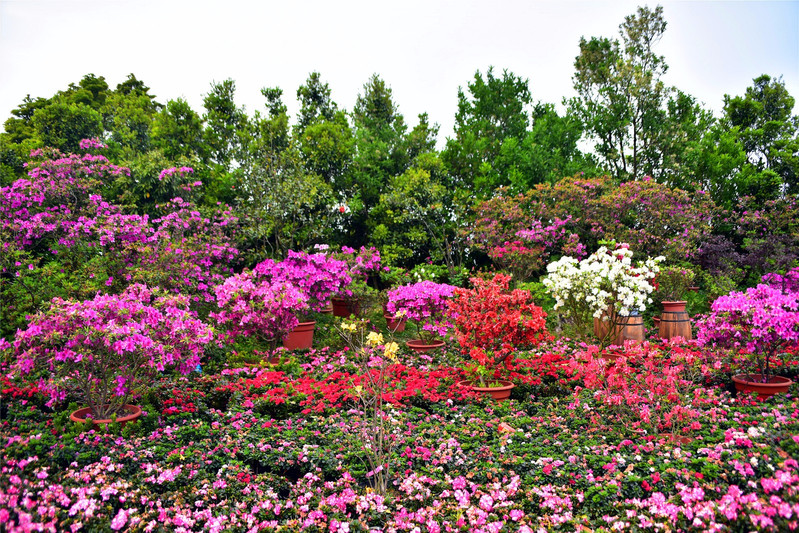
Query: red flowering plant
[{"x": 492, "y": 322}]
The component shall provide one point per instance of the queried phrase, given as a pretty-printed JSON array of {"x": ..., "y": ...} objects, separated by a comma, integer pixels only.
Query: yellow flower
[
  {"x": 374, "y": 339},
  {"x": 349, "y": 326},
  {"x": 390, "y": 350}
]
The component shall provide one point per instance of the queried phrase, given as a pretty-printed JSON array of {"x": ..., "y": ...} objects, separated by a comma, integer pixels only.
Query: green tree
[
  {"x": 315, "y": 102},
  {"x": 128, "y": 118},
  {"x": 287, "y": 207},
  {"x": 90, "y": 91},
  {"x": 62, "y": 124},
  {"x": 323, "y": 133},
  {"x": 417, "y": 217},
  {"x": 225, "y": 124},
  {"x": 19, "y": 127},
  {"x": 379, "y": 153},
  {"x": 621, "y": 97},
  {"x": 493, "y": 113},
  {"x": 178, "y": 131},
  {"x": 547, "y": 152},
  {"x": 768, "y": 130}
]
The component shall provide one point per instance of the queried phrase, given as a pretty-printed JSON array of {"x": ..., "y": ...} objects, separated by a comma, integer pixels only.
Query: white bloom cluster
[{"x": 605, "y": 278}]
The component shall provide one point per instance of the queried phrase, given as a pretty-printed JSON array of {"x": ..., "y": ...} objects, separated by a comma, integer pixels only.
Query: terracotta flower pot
[
  {"x": 344, "y": 307},
  {"x": 418, "y": 345},
  {"x": 496, "y": 393},
  {"x": 301, "y": 337},
  {"x": 754, "y": 383},
  {"x": 675, "y": 438},
  {"x": 133, "y": 413},
  {"x": 396, "y": 325}
]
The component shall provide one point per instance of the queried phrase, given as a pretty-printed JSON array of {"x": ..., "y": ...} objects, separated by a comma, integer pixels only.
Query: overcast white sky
[{"x": 424, "y": 49}]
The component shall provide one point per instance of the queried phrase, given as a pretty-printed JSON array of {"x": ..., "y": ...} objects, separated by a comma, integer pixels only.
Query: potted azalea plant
[
  {"x": 606, "y": 288},
  {"x": 250, "y": 305},
  {"x": 108, "y": 348},
  {"x": 426, "y": 304},
  {"x": 317, "y": 277},
  {"x": 761, "y": 322},
  {"x": 491, "y": 323},
  {"x": 364, "y": 264},
  {"x": 672, "y": 283}
]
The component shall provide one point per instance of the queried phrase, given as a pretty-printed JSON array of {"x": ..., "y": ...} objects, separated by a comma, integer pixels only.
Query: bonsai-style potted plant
[
  {"x": 606, "y": 289},
  {"x": 260, "y": 307},
  {"x": 671, "y": 285},
  {"x": 108, "y": 348},
  {"x": 317, "y": 277},
  {"x": 363, "y": 266},
  {"x": 762, "y": 323},
  {"x": 426, "y": 304},
  {"x": 491, "y": 323}
]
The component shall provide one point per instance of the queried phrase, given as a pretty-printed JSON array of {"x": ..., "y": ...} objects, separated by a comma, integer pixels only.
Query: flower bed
[{"x": 247, "y": 449}]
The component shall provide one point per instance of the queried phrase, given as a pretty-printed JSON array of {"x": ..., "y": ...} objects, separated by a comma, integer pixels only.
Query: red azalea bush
[
  {"x": 648, "y": 385},
  {"x": 492, "y": 322}
]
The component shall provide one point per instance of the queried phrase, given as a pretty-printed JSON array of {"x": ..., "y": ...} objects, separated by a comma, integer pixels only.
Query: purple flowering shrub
[
  {"x": 656, "y": 219},
  {"x": 424, "y": 302},
  {"x": 762, "y": 321},
  {"x": 186, "y": 252},
  {"x": 108, "y": 348},
  {"x": 60, "y": 238},
  {"x": 255, "y": 306}
]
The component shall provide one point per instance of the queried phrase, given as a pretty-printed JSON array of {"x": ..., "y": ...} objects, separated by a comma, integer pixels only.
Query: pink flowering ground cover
[{"x": 241, "y": 449}]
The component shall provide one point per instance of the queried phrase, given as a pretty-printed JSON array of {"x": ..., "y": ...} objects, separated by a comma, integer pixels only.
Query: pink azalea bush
[
  {"x": 108, "y": 347},
  {"x": 317, "y": 276},
  {"x": 763, "y": 321},
  {"x": 426, "y": 303},
  {"x": 253, "y": 306},
  {"x": 788, "y": 282}
]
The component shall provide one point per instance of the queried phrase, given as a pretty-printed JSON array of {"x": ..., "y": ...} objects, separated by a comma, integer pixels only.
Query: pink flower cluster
[
  {"x": 789, "y": 282},
  {"x": 107, "y": 347},
  {"x": 317, "y": 276},
  {"x": 261, "y": 307},
  {"x": 361, "y": 262},
  {"x": 424, "y": 302},
  {"x": 763, "y": 321}
]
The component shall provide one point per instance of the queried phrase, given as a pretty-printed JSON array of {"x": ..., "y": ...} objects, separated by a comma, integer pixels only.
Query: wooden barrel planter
[
  {"x": 632, "y": 329},
  {"x": 628, "y": 328},
  {"x": 674, "y": 321}
]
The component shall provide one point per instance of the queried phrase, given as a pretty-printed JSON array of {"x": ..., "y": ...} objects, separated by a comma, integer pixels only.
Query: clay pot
[
  {"x": 418, "y": 345},
  {"x": 497, "y": 393},
  {"x": 345, "y": 307},
  {"x": 395, "y": 325},
  {"x": 754, "y": 383},
  {"x": 301, "y": 337},
  {"x": 128, "y": 413}
]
